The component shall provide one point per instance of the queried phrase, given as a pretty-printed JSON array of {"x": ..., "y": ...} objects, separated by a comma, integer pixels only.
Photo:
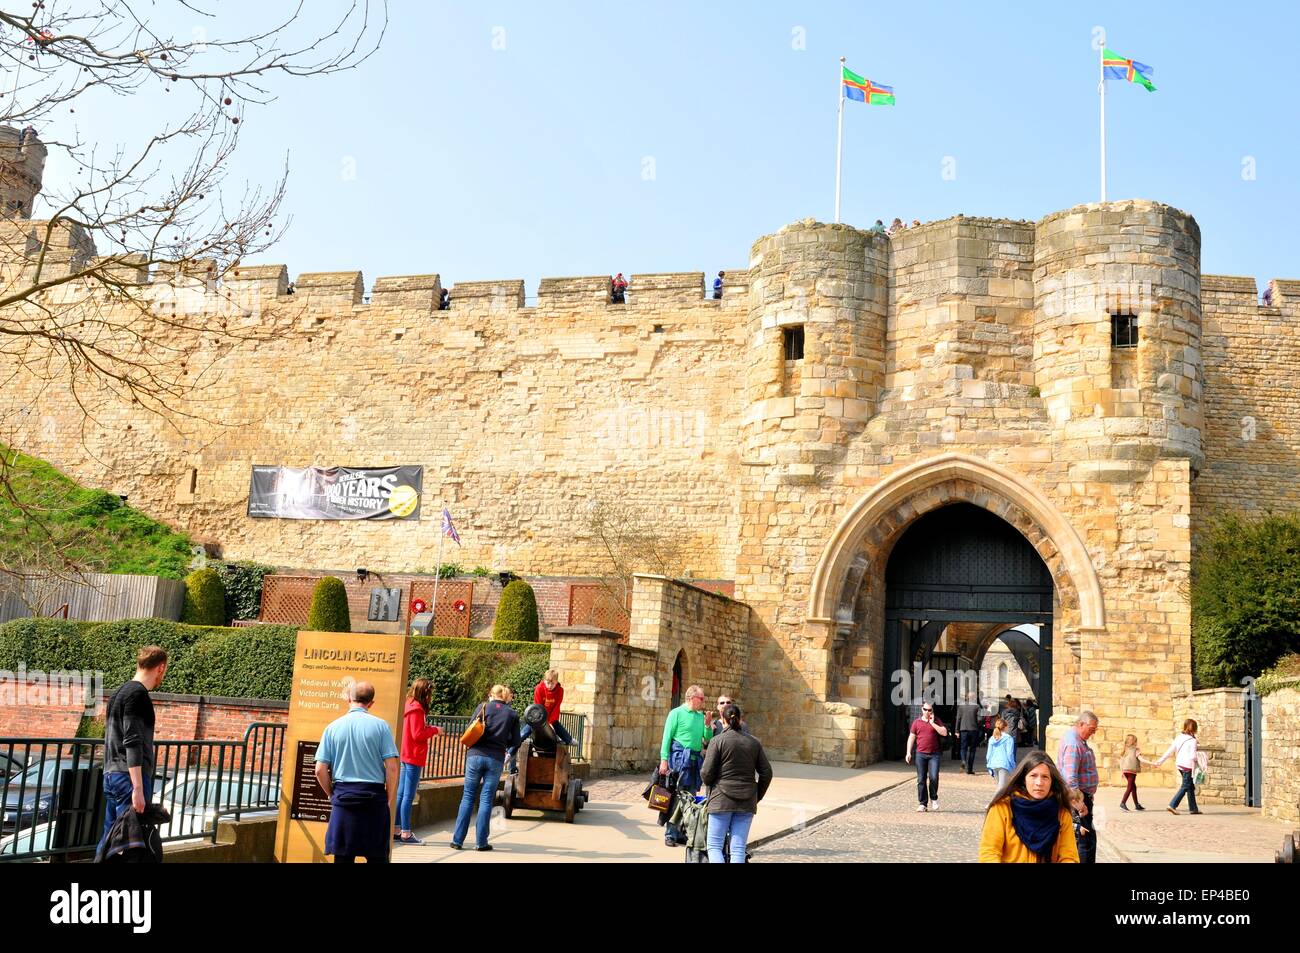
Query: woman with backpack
[{"x": 1189, "y": 761}]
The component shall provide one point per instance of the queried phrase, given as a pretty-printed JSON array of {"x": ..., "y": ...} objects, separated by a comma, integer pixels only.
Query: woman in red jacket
[{"x": 415, "y": 752}]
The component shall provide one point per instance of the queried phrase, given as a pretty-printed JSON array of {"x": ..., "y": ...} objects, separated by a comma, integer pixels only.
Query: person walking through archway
[
  {"x": 925, "y": 736},
  {"x": 968, "y": 730},
  {"x": 1000, "y": 758},
  {"x": 1029, "y": 819}
]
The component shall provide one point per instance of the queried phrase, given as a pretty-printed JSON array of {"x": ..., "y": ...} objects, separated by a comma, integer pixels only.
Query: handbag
[
  {"x": 659, "y": 797},
  {"x": 471, "y": 735}
]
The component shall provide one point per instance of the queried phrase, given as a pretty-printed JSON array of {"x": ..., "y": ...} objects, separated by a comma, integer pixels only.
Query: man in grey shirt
[{"x": 968, "y": 728}]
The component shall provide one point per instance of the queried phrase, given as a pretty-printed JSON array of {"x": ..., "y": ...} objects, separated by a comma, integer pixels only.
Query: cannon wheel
[
  {"x": 1288, "y": 852},
  {"x": 572, "y": 800},
  {"x": 508, "y": 797}
]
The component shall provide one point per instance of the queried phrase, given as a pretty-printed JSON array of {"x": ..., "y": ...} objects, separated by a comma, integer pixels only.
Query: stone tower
[{"x": 21, "y": 168}]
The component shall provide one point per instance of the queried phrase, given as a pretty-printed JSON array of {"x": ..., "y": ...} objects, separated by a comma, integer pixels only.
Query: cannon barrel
[{"x": 543, "y": 736}]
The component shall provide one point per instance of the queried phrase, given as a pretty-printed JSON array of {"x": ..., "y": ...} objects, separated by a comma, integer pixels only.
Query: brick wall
[{"x": 26, "y": 710}]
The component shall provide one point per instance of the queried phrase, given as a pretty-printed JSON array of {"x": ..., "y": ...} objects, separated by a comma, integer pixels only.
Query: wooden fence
[{"x": 92, "y": 597}]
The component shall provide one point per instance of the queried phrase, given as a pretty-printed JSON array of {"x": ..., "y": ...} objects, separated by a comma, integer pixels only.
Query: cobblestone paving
[
  {"x": 887, "y": 828},
  {"x": 623, "y": 788}
]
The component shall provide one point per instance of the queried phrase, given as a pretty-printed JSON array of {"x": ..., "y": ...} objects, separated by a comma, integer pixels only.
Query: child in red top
[
  {"x": 549, "y": 693},
  {"x": 415, "y": 752}
]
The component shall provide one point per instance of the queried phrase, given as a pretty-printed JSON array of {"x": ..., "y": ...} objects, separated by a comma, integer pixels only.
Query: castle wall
[
  {"x": 1252, "y": 398},
  {"x": 522, "y": 418}
]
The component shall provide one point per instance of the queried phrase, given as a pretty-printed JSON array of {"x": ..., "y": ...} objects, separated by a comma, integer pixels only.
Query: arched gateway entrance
[
  {"x": 1002, "y": 555},
  {"x": 954, "y": 577}
]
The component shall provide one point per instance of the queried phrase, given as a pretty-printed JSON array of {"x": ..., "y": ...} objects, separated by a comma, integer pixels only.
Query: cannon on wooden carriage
[
  {"x": 1290, "y": 847},
  {"x": 544, "y": 780}
]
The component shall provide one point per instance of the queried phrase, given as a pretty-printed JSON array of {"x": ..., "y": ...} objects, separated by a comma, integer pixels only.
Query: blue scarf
[{"x": 1037, "y": 824}]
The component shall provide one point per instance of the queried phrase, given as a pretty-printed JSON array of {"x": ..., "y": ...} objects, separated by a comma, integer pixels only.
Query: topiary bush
[
  {"x": 243, "y": 582},
  {"x": 516, "y": 619},
  {"x": 1245, "y": 596},
  {"x": 522, "y": 678},
  {"x": 329, "y": 607},
  {"x": 205, "y": 598}
]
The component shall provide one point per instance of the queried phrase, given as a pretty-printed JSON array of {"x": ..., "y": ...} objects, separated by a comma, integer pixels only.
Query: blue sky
[{"x": 526, "y": 140}]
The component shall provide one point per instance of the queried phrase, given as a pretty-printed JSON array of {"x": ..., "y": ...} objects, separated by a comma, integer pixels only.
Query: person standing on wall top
[
  {"x": 356, "y": 765},
  {"x": 128, "y": 739},
  {"x": 924, "y": 737},
  {"x": 618, "y": 289},
  {"x": 878, "y": 228},
  {"x": 1078, "y": 767},
  {"x": 416, "y": 732},
  {"x": 444, "y": 300},
  {"x": 685, "y": 732},
  {"x": 717, "y": 286}
]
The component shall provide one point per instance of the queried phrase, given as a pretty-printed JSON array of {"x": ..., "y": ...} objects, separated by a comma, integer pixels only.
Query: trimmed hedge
[
  {"x": 522, "y": 678},
  {"x": 516, "y": 619},
  {"x": 329, "y": 607},
  {"x": 256, "y": 662},
  {"x": 205, "y": 598}
]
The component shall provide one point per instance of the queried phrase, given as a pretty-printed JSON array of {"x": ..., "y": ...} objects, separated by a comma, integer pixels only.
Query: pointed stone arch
[{"x": 866, "y": 533}]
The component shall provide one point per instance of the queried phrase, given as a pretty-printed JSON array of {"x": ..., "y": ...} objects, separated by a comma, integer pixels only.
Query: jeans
[
  {"x": 970, "y": 742},
  {"x": 1087, "y": 843},
  {"x": 482, "y": 775},
  {"x": 1188, "y": 788},
  {"x": 408, "y": 782},
  {"x": 927, "y": 764},
  {"x": 117, "y": 797},
  {"x": 737, "y": 824}
]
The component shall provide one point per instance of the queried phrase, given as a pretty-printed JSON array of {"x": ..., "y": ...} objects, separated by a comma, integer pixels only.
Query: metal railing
[
  {"x": 54, "y": 807},
  {"x": 447, "y": 755}
]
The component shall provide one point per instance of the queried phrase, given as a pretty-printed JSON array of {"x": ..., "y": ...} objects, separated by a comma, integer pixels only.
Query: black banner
[{"x": 336, "y": 493}]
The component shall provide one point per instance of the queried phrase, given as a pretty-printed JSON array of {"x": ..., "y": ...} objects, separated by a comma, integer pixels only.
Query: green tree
[
  {"x": 329, "y": 607},
  {"x": 516, "y": 619},
  {"x": 205, "y": 598},
  {"x": 1245, "y": 596}
]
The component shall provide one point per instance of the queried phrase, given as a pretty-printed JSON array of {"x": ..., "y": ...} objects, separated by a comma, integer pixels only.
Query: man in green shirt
[{"x": 685, "y": 732}]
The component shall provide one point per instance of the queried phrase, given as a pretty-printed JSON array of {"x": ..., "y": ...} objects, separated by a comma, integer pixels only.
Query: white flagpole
[
  {"x": 1101, "y": 86},
  {"x": 839, "y": 137},
  {"x": 442, "y": 538}
]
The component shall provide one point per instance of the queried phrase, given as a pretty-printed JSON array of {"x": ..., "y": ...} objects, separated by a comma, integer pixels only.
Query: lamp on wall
[{"x": 363, "y": 575}]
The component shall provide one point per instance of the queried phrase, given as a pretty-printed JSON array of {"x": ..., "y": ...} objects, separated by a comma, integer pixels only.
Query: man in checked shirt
[{"x": 1078, "y": 768}]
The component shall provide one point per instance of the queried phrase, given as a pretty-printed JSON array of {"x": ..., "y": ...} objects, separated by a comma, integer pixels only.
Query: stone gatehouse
[{"x": 1077, "y": 378}]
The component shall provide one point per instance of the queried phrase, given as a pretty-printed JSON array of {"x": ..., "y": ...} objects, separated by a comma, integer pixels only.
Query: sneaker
[
  {"x": 483, "y": 847},
  {"x": 670, "y": 841},
  {"x": 397, "y": 838},
  {"x": 1123, "y": 807},
  {"x": 1139, "y": 807},
  {"x": 409, "y": 840},
  {"x": 934, "y": 806},
  {"x": 1171, "y": 810},
  {"x": 1193, "y": 812},
  {"x": 454, "y": 846},
  {"x": 920, "y": 809}
]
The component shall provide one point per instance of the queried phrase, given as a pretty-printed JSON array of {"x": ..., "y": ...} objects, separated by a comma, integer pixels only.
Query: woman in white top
[{"x": 1185, "y": 754}]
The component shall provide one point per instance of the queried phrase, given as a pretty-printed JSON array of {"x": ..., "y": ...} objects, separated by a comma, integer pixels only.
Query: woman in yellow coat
[{"x": 1028, "y": 820}]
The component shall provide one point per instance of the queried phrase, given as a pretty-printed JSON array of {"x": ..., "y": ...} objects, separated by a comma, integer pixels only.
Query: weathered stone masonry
[{"x": 965, "y": 360}]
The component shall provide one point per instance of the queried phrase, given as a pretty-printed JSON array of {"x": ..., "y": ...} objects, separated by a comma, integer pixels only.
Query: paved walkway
[
  {"x": 828, "y": 815},
  {"x": 616, "y": 825}
]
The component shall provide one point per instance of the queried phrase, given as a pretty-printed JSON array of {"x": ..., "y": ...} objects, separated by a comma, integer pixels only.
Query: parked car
[
  {"x": 29, "y": 795},
  {"x": 10, "y": 764}
]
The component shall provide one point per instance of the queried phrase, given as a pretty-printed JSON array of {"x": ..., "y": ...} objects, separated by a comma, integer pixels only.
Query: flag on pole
[
  {"x": 863, "y": 90},
  {"x": 449, "y": 528},
  {"x": 1114, "y": 66}
]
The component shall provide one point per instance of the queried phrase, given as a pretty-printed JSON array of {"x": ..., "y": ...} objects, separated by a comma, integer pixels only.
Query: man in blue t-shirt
[{"x": 356, "y": 765}]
